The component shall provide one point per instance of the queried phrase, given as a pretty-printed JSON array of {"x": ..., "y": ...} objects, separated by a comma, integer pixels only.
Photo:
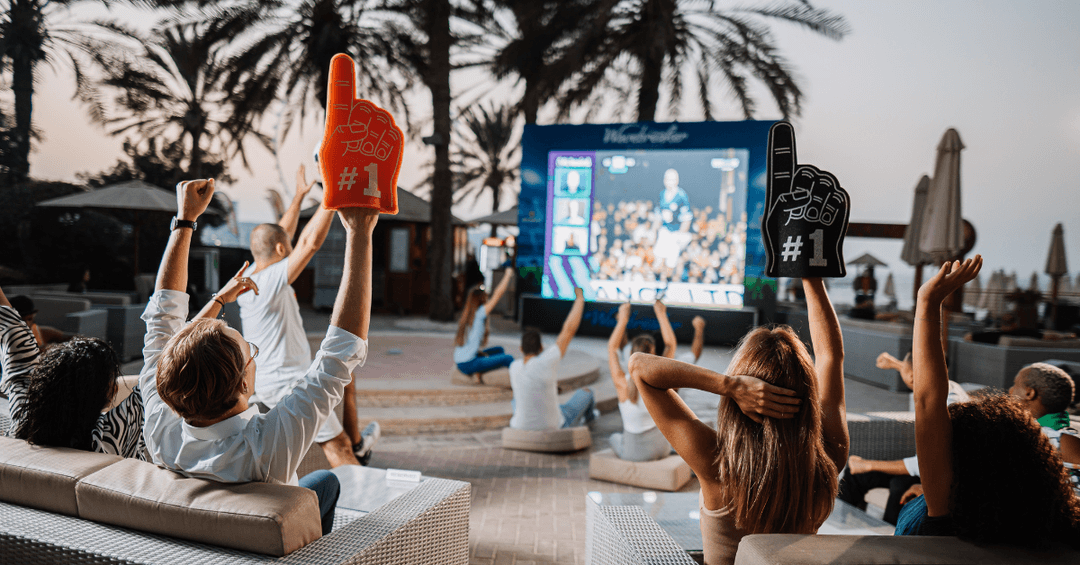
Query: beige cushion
[
  {"x": 45, "y": 477},
  {"x": 762, "y": 549},
  {"x": 1014, "y": 341},
  {"x": 878, "y": 497},
  {"x": 497, "y": 377},
  {"x": 669, "y": 473},
  {"x": 256, "y": 517},
  {"x": 565, "y": 439}
]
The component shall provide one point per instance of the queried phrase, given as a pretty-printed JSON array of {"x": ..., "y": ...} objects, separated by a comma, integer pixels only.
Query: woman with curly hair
[
  {"x": 67, "y": 397},
  {"x": 988, "y": 472},
  {"x": 770, "y": 466}
]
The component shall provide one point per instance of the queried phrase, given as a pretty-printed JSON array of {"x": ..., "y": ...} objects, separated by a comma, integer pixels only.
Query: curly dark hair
[
  {"x": 68, "y": 389},
  {"x": 1009, "y": 484}
]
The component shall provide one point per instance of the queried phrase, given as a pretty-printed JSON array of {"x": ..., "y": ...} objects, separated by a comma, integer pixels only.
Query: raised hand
[
  {"x": 236, "y": 286},
  {"x": 359, "y": 219},
  {"x": 807, "y": 214},
  {"x": 759, "y": 399},
  {"x": 699, "y": 323},
  {"x": 303, "y": 187},
  {"x": 192, "y": 198},
  {"x": 660, "y": 308},
  {"x": 361, "y": 149},
  {"x": 623, "y": 317},
  {"x": 951, "y": 276}
]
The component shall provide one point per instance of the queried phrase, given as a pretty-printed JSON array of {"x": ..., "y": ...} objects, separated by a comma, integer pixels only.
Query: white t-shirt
[
  {"x": 536, "y": 391},
  {"x": 272, "y": 322}
]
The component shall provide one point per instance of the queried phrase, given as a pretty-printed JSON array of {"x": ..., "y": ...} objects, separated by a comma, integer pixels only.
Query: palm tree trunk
[
  {"x": 495, "y": 202},
  {"x": 442, "y": 191},
  {"x": 196, "y": 166},
  {"x": 651, "y": 57},
  {"x": 530, "y": 102},
  {"x": 22, "y": 84}
]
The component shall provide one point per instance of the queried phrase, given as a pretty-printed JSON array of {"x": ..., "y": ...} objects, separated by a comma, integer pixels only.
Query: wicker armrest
[
  {"x": 627, "y": 534},
  {"x": 428, "y": 525},
  {"x": 882, "y": 436}
]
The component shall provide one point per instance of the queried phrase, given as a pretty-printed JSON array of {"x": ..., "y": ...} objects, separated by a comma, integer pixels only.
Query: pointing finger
[
  {"x": 242, "y": 269},
  {"x": 341, "y": 92},
  {"x": 782, "y": 159}
]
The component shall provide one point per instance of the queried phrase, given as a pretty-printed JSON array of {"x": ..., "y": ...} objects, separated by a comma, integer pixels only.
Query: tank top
[
  {"x": 719, "y": 535},
  {"x": 635, "y": 417}
]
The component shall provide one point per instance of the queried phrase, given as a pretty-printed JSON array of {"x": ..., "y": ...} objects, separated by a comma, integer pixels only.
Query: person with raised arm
[
  {"x": 989, "y": 473},
  {"x": 198, "y": 378},
  {"x": 473, "y": 329},
  {"x": 640, "y": 439},
  {"x": 781, "y": 432},
  {"x": 535, "y": 380},
  {"x": 271, "y": 319}
]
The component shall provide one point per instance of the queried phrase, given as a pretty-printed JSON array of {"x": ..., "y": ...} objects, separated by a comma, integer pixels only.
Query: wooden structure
[{"x": 401, "y": 274}]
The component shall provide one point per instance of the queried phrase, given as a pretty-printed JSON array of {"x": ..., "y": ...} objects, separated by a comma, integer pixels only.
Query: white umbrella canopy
[
  {"x": 993, "y": 298},
  {"x": 1010, "y": 283},
  {"x": 1056, "y": 265},
  {"x": 973, "y": 292},
  {"x": 911, "y": 254},
  {"x": 942, "y": 228},
  {"x": 1033, "y": 284}
]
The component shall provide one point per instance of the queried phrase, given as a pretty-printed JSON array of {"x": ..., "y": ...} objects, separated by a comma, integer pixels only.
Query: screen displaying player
[{"x": 637, "y": 225}]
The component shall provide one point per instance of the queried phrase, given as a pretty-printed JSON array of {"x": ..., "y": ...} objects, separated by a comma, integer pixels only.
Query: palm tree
[
  {"x": 485, "y": 155},
  {"x": 422, "y": 35},
  {"x": 542, "y": 43},
  {"x": 655, "y": 42},
  {"x": 26, "y": 41},
  {"x": 293, "y": 57},
  {"x": 171, "y": 85}
]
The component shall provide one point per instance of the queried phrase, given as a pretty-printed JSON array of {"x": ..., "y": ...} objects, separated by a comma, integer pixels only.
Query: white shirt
[
  {"x": 249, "y": 446},
  {"x": 271, "y": 320},
  {"x": 536, "y": 391},
  {"x": 635, "y": 417}
]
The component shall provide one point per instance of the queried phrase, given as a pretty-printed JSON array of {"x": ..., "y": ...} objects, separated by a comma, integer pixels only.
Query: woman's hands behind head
[{"x": 758, "y": 399}]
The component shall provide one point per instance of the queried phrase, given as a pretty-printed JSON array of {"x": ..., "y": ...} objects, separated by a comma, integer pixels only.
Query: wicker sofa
[
  {"x": 627, "y": 534},
  {"x": 66, "y": 506}
]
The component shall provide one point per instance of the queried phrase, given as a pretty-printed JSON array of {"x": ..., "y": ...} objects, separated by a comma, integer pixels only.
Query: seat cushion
[
  {"x": 45, "y": 477},
  {"x": 257, "y": 517},
  {"x": 548, "y": 441},
  {"x": 669, "y": 473},
  {"x": 768, "y": 549}
]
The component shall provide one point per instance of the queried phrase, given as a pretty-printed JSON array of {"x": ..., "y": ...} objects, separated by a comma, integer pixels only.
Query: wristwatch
[{"x": 178, "y": 223}]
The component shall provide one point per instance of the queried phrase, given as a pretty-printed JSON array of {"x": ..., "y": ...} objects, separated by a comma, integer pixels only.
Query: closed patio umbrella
[
  {"x": 911, "y": 254},
  {"x": 994, "y": 295},
  {"x": 942, "y": 228},
  {"x": 1056, "y": 266},
  {"x": 1033, "y": 283}
]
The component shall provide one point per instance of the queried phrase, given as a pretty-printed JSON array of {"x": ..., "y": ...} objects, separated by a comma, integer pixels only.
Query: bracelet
[{"x": 218, "y": 300}]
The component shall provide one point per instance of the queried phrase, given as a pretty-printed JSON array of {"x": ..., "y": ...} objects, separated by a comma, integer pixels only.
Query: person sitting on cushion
[
  {"x": 535, "y": 380},
  {"x": 197, "y": 378},
  {"x": 473, "y": 330},
  {"x": 988, "y": 472},
  {"x": 640, "y": 439}
]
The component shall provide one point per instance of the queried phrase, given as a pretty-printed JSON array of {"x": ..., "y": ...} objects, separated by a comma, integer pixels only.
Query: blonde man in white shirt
[
  {"x": 197, "y": 378},
  {"x": 271, "y": 320}
]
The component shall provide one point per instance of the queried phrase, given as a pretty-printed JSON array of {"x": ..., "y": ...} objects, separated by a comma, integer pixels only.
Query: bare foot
[{"x": 857, "y": 465}]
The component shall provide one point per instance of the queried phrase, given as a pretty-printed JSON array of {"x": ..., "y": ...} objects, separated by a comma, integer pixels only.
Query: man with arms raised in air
[
  {"x": 673, "y": 221},
  {"x": 272, "y": 320}
]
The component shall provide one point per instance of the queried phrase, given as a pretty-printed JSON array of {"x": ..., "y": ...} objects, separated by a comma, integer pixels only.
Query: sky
[{"x": 1005, "y": 74}]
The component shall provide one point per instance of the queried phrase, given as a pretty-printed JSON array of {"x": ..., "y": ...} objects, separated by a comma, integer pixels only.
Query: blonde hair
[
  {"x": 477, "y": 298},
  {"x": 201, "y": 370},
  {"x": 776, "y": 476}
]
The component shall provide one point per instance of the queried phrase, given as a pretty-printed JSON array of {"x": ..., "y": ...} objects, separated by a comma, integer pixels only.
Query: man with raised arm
[
  {"x": 271, "y": 319},
  {"x": 198, "y": 378},
  {"x": 535, "y": 380}
]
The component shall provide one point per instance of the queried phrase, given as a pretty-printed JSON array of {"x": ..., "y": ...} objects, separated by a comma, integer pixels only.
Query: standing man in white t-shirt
[
  {"x": 535, "y": 380},
  {"x": 271, "y": 320}
]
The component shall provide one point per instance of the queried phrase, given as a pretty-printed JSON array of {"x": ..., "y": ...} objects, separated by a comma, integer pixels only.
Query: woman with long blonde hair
[
  {"x": 473, "y": 329},
  {"x": 771, "y": 464}
]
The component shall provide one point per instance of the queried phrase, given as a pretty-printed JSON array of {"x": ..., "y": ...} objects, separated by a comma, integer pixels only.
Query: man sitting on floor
[
  {"x": 272, "y": 320},
  {"x": 198, "y": 378},
  {"x": 535, "y": 381}
]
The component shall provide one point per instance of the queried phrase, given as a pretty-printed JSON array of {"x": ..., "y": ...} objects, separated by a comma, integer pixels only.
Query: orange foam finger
[{"x": 361, "y": 151}]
